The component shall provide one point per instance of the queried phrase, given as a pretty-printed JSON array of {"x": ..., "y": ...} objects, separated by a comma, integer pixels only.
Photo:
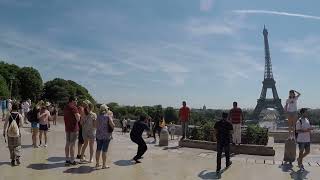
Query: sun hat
[{"x": 104, "y": 108}]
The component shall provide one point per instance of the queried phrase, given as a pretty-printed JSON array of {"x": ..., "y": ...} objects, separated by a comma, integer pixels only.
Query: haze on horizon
[{"x": 162, "y": 52}]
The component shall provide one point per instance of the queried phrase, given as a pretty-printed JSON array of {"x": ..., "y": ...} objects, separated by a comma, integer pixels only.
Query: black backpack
[{"x": 33, "y": 115}]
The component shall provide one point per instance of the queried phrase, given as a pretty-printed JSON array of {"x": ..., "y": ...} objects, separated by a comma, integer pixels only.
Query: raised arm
[
  {"x": 298, "y": 94},
  {"x": 111, "y": 123}
]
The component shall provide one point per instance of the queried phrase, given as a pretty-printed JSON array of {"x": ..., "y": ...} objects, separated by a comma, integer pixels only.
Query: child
[{"x": 172, "y": 130}]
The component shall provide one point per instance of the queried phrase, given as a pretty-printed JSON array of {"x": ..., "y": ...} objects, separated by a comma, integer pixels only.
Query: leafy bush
[{"x": 255, "y": 134}]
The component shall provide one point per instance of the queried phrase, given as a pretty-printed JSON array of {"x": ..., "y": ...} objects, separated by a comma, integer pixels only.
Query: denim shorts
[
  {"x": 304, "y": 146},
  {"x": 35, "y": 125},
  {"x": 103, "y": 144}
]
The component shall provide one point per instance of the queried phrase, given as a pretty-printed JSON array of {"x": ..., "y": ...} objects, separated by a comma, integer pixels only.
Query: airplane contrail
[{"x": 276, "y": 13}]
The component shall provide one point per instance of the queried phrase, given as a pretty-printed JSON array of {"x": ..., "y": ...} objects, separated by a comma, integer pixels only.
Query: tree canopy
[
  {"x": 4, "y": 90},
  {"x": 30, "y": 83}
]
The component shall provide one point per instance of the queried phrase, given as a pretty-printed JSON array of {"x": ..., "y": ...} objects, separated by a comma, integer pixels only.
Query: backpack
[
  {"x": 295, "y": 130},
  {"x": 32, "y": 115},
  {"x": 13, "y": 130}
]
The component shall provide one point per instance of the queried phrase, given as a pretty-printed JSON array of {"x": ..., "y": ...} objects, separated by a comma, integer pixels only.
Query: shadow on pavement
[
  {"x": 209, "y": 175},
  {"x": 124, "y": 163},
  {"x": 80, "y": 170},
  {"x": 56, "y": 159},
  {"x": 42, "y": 166},
  {"x": 296, "y": 175},
  {"x": 5, "y": 163},
  {"x": 174, "y": 147},
  {"x": 26, "y": 146}
]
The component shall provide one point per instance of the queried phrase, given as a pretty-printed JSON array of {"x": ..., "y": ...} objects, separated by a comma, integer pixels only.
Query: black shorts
[
  {"x": 43, "y": 127},
  {"x": 80, "y": 137}
]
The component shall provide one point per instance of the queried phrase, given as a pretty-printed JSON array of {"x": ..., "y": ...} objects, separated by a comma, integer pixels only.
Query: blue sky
[{"x": 162, "y": 52}]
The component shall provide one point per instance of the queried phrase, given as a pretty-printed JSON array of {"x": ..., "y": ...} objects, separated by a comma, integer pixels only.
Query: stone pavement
[{"x": 159, "y": 162}]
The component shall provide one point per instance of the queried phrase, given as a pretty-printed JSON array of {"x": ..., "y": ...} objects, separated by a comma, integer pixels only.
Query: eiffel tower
[{"x": 268, "y": 83}]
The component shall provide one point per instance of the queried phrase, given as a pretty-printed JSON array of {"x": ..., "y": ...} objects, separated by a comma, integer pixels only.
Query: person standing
[
  {"x": 88, "y": 130},
  {"x": 223, "y": 130},
  {"x": 14, "y": 134},
  {"x": 33, "y": 118},
  {"x": 136, "y": 137},
  {"x": 236, "y": 118},
  {"x": 80, "y": 137},
  {"x": 25, "y": 109},
  {"x": 3, "y": 108},
  {"x": 104, "y": 135},
  {"x": 291, "y": 108},
  {"x": 303, "y": 129},
  {"x": 156, "y": 126},
  {"x": 184, "y": 117},
  {"x": 71, "y": 119},
  {"x": 54, "y": 114},
  {"x": 43, "y": 116},
  {"x": 124, "y": 125}
]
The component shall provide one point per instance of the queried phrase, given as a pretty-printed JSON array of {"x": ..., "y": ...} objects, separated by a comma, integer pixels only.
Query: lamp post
[{"x": 11, "y": 78}]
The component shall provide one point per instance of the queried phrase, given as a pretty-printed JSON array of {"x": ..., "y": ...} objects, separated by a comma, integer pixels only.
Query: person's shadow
[
  {"x": 57, "y": 163},
  {"x": 124, "y": 163},
  {"x": 296, "y": 175},
  {"x": 80, "y": 170},
  {"x": 210, "y": 175},
  {"x": 5, "y": 163}
]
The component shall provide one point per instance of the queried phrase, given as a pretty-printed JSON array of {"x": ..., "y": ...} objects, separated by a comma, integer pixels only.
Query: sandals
[{"x": 105, "y": 167}]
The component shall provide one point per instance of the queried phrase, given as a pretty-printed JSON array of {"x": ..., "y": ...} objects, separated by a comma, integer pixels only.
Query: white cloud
[{"x": 280, "y": 13}]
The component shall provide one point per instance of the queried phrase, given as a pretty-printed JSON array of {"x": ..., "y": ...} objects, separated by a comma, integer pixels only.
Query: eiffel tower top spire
[{"x": 268, "y": 66}]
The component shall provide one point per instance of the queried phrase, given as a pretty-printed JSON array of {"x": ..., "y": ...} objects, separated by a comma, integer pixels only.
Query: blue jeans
[{"x": 103, "y": 144}]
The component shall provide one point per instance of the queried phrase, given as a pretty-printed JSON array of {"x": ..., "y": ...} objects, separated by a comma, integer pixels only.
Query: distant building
[{"x": 204, "y": 107}]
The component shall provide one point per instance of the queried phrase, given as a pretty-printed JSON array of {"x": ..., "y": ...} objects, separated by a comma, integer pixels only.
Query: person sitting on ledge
[{"x": 223, "y": 130}]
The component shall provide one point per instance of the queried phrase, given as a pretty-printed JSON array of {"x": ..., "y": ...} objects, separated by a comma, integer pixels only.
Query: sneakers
[
  {"x": 136, "y": 160},
  {"x": 301, "y": 167},
  {"x": 13, "y": 163},
  {"x": 73, "y": 163},
  {"x": 18, "y": 161},
  {"x": 45, "y": 145},
  {"x": 67, "y": 163}
]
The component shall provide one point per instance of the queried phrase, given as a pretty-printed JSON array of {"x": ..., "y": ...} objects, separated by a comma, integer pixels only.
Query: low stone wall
[
  {"x": 282, "y": 136},
  {"x": 237, "y": 149}
]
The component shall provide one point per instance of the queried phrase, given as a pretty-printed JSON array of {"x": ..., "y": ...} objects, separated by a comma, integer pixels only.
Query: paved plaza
[{"x": 159, "y": 162}]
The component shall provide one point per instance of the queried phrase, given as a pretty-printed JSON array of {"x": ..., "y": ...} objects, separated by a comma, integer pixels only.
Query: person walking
[
  {"x": 236, "y": 118},
  {"x": 13, "y": 122},
  {"x": 44, "y": 117},
  {"x": 184, "y": 117},
  {"x": 105, "y": 126},
  {"x": 88, "y": 130},
  {"x": 291, "y": 109},
  {"x": 80, "y": 137},
  {"x": 3, "y": 108},
  {"x": 156, "y": 126},
  {"x": 71, "y": 119},
  {"x": 34, "y": 120},
  {"x": 223, "y": 130},
  {"x": 136, "y": 136},
  {"x": 54, "y": 114},
  {"x": 303, "y": 129}
]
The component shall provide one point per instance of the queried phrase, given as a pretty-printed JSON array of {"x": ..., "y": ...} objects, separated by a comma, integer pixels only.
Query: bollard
[{"x": 164, "y": 137}]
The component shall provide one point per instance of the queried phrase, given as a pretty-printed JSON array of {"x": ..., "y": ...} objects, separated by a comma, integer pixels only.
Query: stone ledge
[
  {"x": 281, "y": 137},
  {"x": 237, "y": 149}
]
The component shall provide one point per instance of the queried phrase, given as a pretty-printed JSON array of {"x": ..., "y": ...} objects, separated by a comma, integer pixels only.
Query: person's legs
[
  {"x": 238, "y": 135},
  {"x": 227, "y": 154},
  {"x": 40, "y": 137},
  {"x": 105, "y": 147},
  {"x": 183, "y": 129},
  {"x": 91, "y": 143},
  {"x": 35, "y": 132},
  {"x": 73, "y": 138},
  {"x": 67, "y": 147},
  {"x": 104, "y": 159},
  {"x": 219, "y": 154},
  {"x": 98, "y": 151},
  {"x": 142, "y": 148},
  {"x": 45, "y": 138},
  {"x": 86, "y": 142}
]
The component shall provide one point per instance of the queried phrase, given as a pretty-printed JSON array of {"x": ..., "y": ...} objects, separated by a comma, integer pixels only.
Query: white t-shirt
[
  {"x": 26, "y": 107},
  {"x": 124, "y": 123},
  {"x": 303, "y": 123},
  {"x": 292, "y": 104}
]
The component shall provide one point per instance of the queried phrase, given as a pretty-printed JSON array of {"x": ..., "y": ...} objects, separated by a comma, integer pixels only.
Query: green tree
[
  {"x": 4, "y": 90},
  {"x": 10, "y": 71},
  {"x": 59, "y": 91},
  {"x": 170, "y": 114},
  {"x": 31, "y": 84}
]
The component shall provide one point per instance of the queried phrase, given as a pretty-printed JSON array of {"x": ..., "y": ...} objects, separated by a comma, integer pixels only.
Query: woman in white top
[{"x": 291, "y": 109}]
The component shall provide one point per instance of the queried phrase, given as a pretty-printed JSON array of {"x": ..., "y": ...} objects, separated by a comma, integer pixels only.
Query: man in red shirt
[
  {"x": 184, "y": 117},
  {"x": 236, "y": 118},
  {"x": 71, "y": 119}
]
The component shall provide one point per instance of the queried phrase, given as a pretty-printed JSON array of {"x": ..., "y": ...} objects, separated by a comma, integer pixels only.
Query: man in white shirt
[
  {"x": 26, "y": 108},
  {"x": 303, "y": 128}
]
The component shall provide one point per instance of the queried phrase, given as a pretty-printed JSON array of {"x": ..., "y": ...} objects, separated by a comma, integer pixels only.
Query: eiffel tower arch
[{"x": 268, "y": 83}]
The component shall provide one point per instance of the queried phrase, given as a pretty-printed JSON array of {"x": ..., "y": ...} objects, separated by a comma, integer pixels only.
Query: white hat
[
  {"x": 48, "y": 104},
  {"x": 104, "y": 108}
]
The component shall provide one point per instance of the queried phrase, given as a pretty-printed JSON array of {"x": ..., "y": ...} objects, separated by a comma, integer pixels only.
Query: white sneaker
[{"x": 45, "y": 145}]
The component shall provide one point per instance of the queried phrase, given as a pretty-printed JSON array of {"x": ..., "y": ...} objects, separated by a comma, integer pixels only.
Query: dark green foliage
[
  {"x": 30, "y": 83},
  {"x": 4, "y": 90},
  {"x": 255, "y": 134},
  {"x": 9, "y": 71},
  {"x": 59, "y": 91},
  {"x": 171, "y": 115}
]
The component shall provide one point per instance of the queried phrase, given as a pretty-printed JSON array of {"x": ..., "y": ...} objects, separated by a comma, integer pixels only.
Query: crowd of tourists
[{"x": 82, "y": 124}]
